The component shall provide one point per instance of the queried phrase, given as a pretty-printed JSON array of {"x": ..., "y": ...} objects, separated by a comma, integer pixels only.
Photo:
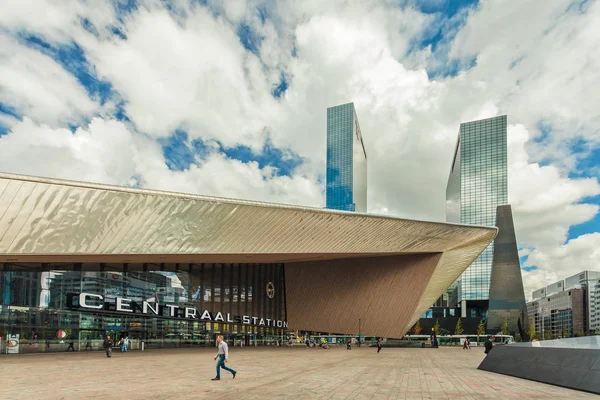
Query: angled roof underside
[{"x": 44, "y": 217}]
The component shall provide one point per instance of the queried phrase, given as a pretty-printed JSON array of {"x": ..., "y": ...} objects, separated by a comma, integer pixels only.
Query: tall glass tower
[
  {"x": 477, "y": 185},
  {"x": 346, "y": 161}
]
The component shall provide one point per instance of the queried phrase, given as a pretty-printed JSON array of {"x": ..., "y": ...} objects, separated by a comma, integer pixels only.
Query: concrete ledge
[{"x": 572, "y": 368}]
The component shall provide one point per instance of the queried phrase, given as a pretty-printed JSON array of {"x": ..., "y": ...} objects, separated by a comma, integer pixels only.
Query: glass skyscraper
[
  {"x": 477, "y": 185},
  {"x": 346, "y": 161}
]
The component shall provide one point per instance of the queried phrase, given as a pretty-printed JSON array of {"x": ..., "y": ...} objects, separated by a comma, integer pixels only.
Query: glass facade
[
  {"x": 346, "y": 161},
  {"x": 477, "y": 185},
  {"x": 559, "y": 315},
  {"x": 188, "y": 306}
]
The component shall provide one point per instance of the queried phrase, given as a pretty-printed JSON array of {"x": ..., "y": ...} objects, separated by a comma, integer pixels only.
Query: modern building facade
[
  {"x": 589, "y": 284},
  {"x": 595, "y": 308},
  {"x": 346, "y": 161},
  {"x": 477, "y": 185},
  {"x": 507, "y": 296},
  {"x": 561, "y": 314},
  {"x": 81, "y": 260}
]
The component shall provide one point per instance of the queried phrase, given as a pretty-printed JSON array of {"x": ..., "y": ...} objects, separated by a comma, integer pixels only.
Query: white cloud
[
  {"x": 543, "y": 69},
  {"x": 544, "y": 201},
  {"x": 107, "y": 151},
  {"x": 38, "y": 87},
  {"x": 560, "y": 262},
  {"x": 197, "y": 77}
]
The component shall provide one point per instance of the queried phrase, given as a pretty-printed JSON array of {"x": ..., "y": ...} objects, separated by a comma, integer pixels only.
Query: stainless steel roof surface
[{"x": 41, "y": 216}]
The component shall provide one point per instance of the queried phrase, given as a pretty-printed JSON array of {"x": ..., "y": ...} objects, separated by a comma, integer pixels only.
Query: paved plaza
[{"x": 266, "y": 373}]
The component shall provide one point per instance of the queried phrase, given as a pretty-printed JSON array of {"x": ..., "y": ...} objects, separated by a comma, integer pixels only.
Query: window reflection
[{"x": 42, "y": 306}]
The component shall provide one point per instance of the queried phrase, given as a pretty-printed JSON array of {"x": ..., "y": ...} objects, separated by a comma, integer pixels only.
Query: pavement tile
[{"x": 266, "y": 373}]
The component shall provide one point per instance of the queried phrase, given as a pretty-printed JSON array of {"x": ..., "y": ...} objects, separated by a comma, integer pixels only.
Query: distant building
[
  {"x": 588, "y": 283},
  {"x": 595, "y": 309},
  {"x": 346, "y": 161},
  {"x": 559, "y": 315}
]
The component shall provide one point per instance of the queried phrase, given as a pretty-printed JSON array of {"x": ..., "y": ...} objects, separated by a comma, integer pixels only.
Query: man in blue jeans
[{"x": 221, "y": 357}]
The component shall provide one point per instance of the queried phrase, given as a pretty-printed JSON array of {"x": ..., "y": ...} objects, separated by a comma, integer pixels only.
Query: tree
[
  {"x": 480, "y": 330},
  {"x": 504, "y": 328},
  {"x": 459, "y": 329},
  {"x": 418, "y": 328},
  {"x": 436, "y": 327},
  {"x": 531, "y": 329}
]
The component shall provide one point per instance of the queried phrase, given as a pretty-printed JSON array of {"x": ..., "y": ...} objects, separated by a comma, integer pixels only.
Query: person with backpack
[{"x": 108, "y": 345}]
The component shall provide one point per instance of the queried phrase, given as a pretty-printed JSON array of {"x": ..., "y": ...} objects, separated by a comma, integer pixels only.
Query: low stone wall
[{"x": 572, "y": 368}]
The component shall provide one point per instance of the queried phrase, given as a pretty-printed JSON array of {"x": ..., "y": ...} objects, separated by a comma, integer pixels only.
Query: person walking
[
  {"x": 126, "y": 344},
  {"x": 488, "y": 345},
  {"x": 108, "y": 345},
  {"x": 71, "y": 346},
  {"x": 222, "y": 357},
  {"x": 434, "y": 342},
  {"x": 88, "y": 345},
  {"x": 466, "y": 344},
  {"x": 378, "y": 345}
]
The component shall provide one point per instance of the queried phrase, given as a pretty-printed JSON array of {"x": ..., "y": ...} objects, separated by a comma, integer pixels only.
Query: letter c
[{"x": 83, "y": 303}]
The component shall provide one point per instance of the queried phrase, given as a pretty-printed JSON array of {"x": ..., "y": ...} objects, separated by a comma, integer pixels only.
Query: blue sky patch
[
  {"x": 124, "y": 7},
  {"x": 116, "y": 31},
  {"x": 72, "y": 58},
  {"x": 286, "y": 161},
  {"x": 588, "y": 166},
  {"x": 88, "y": 26},
  {"x": 178, "y": 155},
  {"x": 545, "y": 130},
  {"x": 445, "y": 7},
  {"x": 249, "y": 38},
  {"x": 280, "y": 89},
  {"x": 450, "y": 15},
  {"x": 263, "y": 13},
  {"x": 11, "y": 112},
  {"x": 452, "y": 68},
  {"x": 8, "y": 110},
  {"x": 592, "y": 225}
]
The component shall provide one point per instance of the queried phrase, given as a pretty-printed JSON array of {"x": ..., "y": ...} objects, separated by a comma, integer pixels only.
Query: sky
[{"x": 229, "y": 98}]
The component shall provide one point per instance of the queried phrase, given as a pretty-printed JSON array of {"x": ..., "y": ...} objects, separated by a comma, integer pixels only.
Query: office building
[
  {"x": 595, "y": 309},
  {"x": 588, "y": 284},
  {"x": 560, "y": 314},
  {"x": 173, "y": 269},
  {"x": 346, "y": 161},
  {"x": 477, "y": 185}
]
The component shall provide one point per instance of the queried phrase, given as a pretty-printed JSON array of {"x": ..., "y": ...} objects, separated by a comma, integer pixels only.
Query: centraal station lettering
[{"x": 96, "y": 302}]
